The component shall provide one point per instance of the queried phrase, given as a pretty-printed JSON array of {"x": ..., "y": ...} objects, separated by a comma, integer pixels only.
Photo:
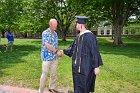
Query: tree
[
  {"x": 8, "y": 14},
  {"x": 26, "y": 20},
  {"x": 118, "y": 12},
  {"x": 133, "y": 25},
  {"x": 63, "y": 10}
]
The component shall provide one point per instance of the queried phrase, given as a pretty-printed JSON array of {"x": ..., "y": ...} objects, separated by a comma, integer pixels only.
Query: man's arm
[
  {"x": 69, "y": 50},
  {"x": 93, "y": 46},
  {"x": 51, "y": 48}
]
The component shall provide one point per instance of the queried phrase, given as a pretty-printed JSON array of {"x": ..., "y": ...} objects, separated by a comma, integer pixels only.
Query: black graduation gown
[{"x": 85, "y": 57}]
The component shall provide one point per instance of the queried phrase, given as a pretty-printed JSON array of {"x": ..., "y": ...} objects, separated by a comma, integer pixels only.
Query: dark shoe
[{"x": 52, "y": 90}]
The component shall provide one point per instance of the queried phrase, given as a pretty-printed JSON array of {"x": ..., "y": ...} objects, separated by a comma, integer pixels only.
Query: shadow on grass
[
  {"x": 130, "y": 49},
  {"x": 60, "y": 42},
  {"x": 70, "y": 92},
  {"x": 8, "y": 59},
  {"x": 2, "y": 48},
  {"x": 37, "y": 41},
  {"x": 65, "y": 43}
]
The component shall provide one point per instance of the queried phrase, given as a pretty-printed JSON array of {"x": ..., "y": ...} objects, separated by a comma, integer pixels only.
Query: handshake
[{"x": 60, "y": 53}]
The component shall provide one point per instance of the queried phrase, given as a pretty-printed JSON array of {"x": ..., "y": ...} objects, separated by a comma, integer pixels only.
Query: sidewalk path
[{"x": 10, "y": 89}]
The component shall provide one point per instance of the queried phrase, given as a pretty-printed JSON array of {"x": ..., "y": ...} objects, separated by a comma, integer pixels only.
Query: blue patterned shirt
[{"x": 52, "y": 39}]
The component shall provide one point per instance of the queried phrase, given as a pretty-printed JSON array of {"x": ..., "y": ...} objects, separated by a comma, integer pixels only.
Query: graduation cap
[{"x": 81, "y": 19}]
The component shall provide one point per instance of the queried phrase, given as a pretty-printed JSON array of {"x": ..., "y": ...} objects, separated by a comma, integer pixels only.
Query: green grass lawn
[{"x": 120, "y": 73}]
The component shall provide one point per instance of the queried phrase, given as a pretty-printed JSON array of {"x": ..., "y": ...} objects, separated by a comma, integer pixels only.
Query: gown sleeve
[
  {"x": 94, "y": 52},
  {"x": 70, "y": 49}
]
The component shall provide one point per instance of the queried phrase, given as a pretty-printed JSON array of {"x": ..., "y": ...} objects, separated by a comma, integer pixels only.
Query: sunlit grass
[{"x": 120, "y": 73}]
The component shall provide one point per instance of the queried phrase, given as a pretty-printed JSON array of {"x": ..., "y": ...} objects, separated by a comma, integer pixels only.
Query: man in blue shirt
[
  {"x": 10, "y": 38},
  {"x": 49, "y": 52}
]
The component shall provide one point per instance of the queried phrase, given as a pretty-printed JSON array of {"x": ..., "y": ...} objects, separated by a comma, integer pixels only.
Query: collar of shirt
[
  {"x": 51, "y": 31},
  {"x": 87, "y": 31}
]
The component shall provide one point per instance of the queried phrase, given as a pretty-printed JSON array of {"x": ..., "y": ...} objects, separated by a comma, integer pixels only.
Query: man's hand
[
  {"x": 62, "y": 51},
  {"x": 59, "y": 53},
  {"x": 97, "y": 71}
]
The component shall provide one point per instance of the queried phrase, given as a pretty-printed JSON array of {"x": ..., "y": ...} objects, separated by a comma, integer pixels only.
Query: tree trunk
[
  {"x": 64, "y": 32},
  {"x": 117, "y": 34},
  {"x": 63, "y": 36}
]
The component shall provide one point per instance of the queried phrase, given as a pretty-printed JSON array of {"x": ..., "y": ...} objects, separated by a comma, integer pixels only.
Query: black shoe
[{"x": 53, "y": 91}]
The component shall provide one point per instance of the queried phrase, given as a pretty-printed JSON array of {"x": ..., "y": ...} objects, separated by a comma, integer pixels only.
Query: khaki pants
[
  {"x": 45, "y": 68},
  {"x": 9, "y": 46}
]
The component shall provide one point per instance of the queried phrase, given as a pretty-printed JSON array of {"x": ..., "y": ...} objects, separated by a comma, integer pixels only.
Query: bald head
[{"x": 53, "y": 24}]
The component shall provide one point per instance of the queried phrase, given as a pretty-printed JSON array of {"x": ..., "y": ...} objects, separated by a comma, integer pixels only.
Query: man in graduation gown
[{"x": 86, "y": 58}]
